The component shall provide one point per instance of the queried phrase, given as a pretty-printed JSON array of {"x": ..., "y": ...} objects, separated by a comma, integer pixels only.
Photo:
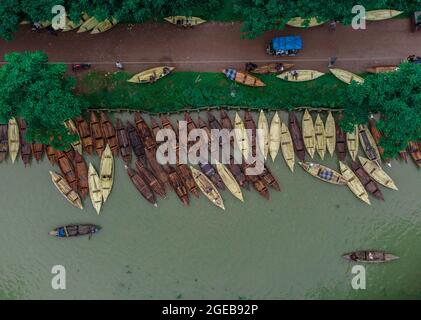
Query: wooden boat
[
  {"x": 403, "y": 155},
  {"x": 82, "y": 175},
  {"x": 141, "y": 186},
  {"x": 185, "y": 21},
  {"x": 256, "y": 182},
  {"x": 123, "y": 142},
  {"x": 375, "y": 133},
  {"x": 382, "y": 14},
  {"x": 263, "y": 137},
  {"x": 323, "y": 173},
  {"x": 97, "y": 134},
  {"x": 296, "y": 136},
  {"x": 287, "y": 147},
  {"x": 352, "y": 143},
  {"x": 300, "y": 76},
  {"x": 369, "y": 184},
  {"x": 229, "y": 181},
  {"x": 353, "y": 183},
  {"x": 211, "y": 173},
  {"x": 70, "y": 153},
  {"x": 145, "y": 132},
  {"x": 155, "y": 167},
  {"x": 64, "y": 188},
  {"x": 51, "y": 154},
  {"x": 241, "y": 136},
  {"x": 269, "y": 179},
  {"x": 166, "y": 124},
  {"x": 320, "y": 134},
  {"x": 377, "y": 173},
  {"x": 135, "y": 142},
  {"x": 184, "y": 172},
  {"x": 309, "y": 135},
  {"x": 341, "y": 143},
  {"x": 67, "y": 169},
  {"x": 275, "y": 136},
  {"x": 330, "y": 131},
  {"x": 369, "y": 145},
  {"x": 88, "y": 25},
  {"x": 13, "y": 139},
  {"x": 75, "y": 230},
  {"x": 207, "y": 187},
  {"x": 37, "y": 151},
  {"x": 299, "y": 22},
  {"x": 105, "y": 25},
  {"x": 415, "y": 152},
  {"x": 70, "y": 125},
  {"x": 72, "y": 25},
  {"x": 109, "y": 133},
  {"x": 95, "y": 191},
  {"x": 243, "y": 78},
  {"x": 106, "y": 172},
  {"x": 346, "y": 76},
  {"x": 151, "y": 75},
  {"x": 382, "y": 69},
  {"x": 25, "y": 147},
  {"x": 273, "y": 68},
  {"x": 4, "y": 143},
  {"x": 369, "y": 256},
  {"x": 251, "y": 127},
  {"x": 177, "y": 184},
  {"x": 155, "y": 127},
  {"x": 150, "y": 179},
  {"x": 85, "y": 135}
]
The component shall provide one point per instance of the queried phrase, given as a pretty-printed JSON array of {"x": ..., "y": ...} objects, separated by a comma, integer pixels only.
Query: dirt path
[{"x": 214, "y": 46}]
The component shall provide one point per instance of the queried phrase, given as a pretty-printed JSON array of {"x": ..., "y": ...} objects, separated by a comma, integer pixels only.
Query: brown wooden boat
[
  {"x": 70, "y": 153},
  {"x": 297, "y": 136},
  {"x": 341, "y": 146},
  {"x": 4, "y": 142},
  {"x": 97, "y": 134},
  {"x": 243, "y": 78},
  {"x": 257, "y": 183},
  {"x": 25, "y": 147},
  {"x": 415, "y": 151},
  {"x": 157, "y": 169},
  {"x": 269, "y": 179},
  {"x": 82, "y": 175},
  {"x": 376, "y": 134},
  {"x": 403, "y": 155},
  {"x": 85, "y": 135},
  {"x": 185, "y": 173},
  {"x": 273, "y": 68},
  {"x": 177, "y": 184},
  {"x": 37, "y": 151},
  {"x": 123, "y": 142},
  {"x": 109, "y": 133},
  {"x": 135, "y": 142},
  {"x": 166, "y": 124},
  {"x": 150, "y": 179},
  {"x": 382, "y": 69},
  {"x": 369, "y": 184},
  {"x": 145, "y": 132},
  {"x": 67, "y": 169},
  {"x": 141, "y": 186},
  {"x": 51, "y": 154},
  {"x": 155, "y": 127}
]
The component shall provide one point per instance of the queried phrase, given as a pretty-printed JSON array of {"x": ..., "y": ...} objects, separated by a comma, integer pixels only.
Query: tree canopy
[
  {"x": 397, "y": 97},
  {"x": 41, "y": 94}
]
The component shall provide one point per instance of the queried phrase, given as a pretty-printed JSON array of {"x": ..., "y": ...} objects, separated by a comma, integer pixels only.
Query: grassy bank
[{"x": 192, "y": 90}]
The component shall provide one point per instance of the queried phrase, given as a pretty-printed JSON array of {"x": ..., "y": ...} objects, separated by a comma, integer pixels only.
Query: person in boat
[
  {"x": 166, "y": 70},
  {"x": 370, "y": 256},
  {"x": 294, "y": 74},
  {"x": 250, "y": 66},
  {"x": 152, "y": 78},
  {"x": 279, "y": 67},
  {"x": 353, "y": 256}
]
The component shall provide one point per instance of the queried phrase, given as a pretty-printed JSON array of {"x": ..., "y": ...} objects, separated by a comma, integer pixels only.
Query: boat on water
[
  {"x": 51, "y": 154},
  {"x": 309, "y": 134},
  {"x": 106, "y": 172},
  {"x": 330, "y": 132},
  {"x": 212, "y": 174},
  {"x": 323, "y": 173},
  {"x": 177, "y": 185},
  {"x": 185, "y": 21},
  {"x": 269, "y": 179},
  {"x": 145, "y": 132},
  {"x": 415, "y": 151},
  {"x": 70, "y": 153},
  {"x": 65, "y": 189},
  {"x": 241, "y": 136},
  {"x": 369, "y": 145},
  {"x": 299, "y": 22},
  {"x": 320, "y": 134},
  {"x": 109, "y": 133},
  {"x": 263, "y": 138},
  {"x": 97, "y": 134},
  {"x": 95, "y": 191},
  {"x": 82, "y": 175},
  {"x": 67, "y": 169},
  {"x": 369, "y": 256},
  {"x": 85, "y": 135},
  {"x": 369, "y": 184},
  {"x": 346, "y": 76},
  {"x": 229, "y": 181},
  {"x": 13, "y": 139},
  {"x": 135, "y": 141},
  {"x": 208, "y": 188},
  {"x": 74, "y": 230},
  {"x": 4, "y": 143},
  {"x": 123, "y": 142},
  {"x": 37, "y": 151},
  {"x": 381, "y": 14},
  {"x": 300, "y": 75},
  {"x": 273, "y": 68},
  {"x": 296, "y": 136},
  {"x": 156, "y": 168},
  {"x": 184, "y": 172},
  {"x": 25, "y": 147},
  {"x": 243, "y": 78},
  {"x": 256, "y": 182},
  {"x": 105, "y": 25},
  {"x": 353, "y": 183},
  {"x": 287, "y": 147},
  {"x": 382, "y": 69},
  {"x": 141, "y": 186},
  {"x": 154, "y": 184},
  {"x": 88, "y": 25},
  {"x": 151, "y": 75},
  {"x": 77, "y": 145},
  {"x": 341, "y": 143},
  {"x": 376, "y": 135},
  {"x": 275, "y": 136},
  {"x": 377, "y": 173},
  {"x": 352, "y": 143}
]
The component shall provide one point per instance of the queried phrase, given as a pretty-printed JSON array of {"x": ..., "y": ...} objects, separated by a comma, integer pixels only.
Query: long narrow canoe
[
  {"x": 147, "y": 76},
  {"x": 109, "y": 133},
  {"x": 37, "y": 151},
  {"x": 341, "y": 143},
  {"x": 185, "y": 21},
  {"x": 296, "y": 136},
  {"x": 106, "y": 172},
  {"x": 369, "y": 184},
  {"x": 85, "y": 134},
  {"x": 105, "y": 25},
  {"x": 97, "y": 134},
  {"x": 273, "y": 68},
  {"x": 123, "y": 142},
  {"x": 353, "y": 183},
  {"x": 369, "y": 145},
  {"x": 25, "y": 147},
  {"x": 299, "y": 22},
  {"x": 382, "y": 14},
  {"x": 51, "y": 154},
  {"x": 275, "y": 136},
  {"x": 72, "y": 25},
  {"x": 75, "y": 230},
  {"x": 302, "y": 75},
  {"x": 82, "y": 175},
  {"x": 330, "y": 131},
  {"x": 287, "y": 147},
  {"x": 382, "y": 69},
  {"x": 135, "y": 142},
  {"x": 346, "y": 76},
  {"x": 4, "y": 143},
  {"x": 95, "y": 191},
  {"x": 141, "y": 186},
  {"x": 150, "y": 179},
  {"x": 77, "y": 145},
  {"x": 352, "y": 142},
  {"x": 243, "y": 78},
  {"x": 369, "y": 256},
  {"x": 263, "y": 137},
  {"x": 320, "y": 134},
  {"x": 377, "y": 173},
  {"x": 229, "y": 181},
  {"x": 241, "y": 136},
  {"x": 67, "y": 169},
  {"x": 308, "y": 133},
  {"x": 323, "y": 173},
  {"x": 64, "y": 188},
  {"x": 415, "y": 152},
  {"x": 376, "y": 135},
  {"x": 88, "y": 25},
  {"x": 208, "y": 188}
]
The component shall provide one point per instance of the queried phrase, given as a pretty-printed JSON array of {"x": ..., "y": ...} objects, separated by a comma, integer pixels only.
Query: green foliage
[
  {"x": 397, "y": 97},
  {"x": 40, "y": 93},
  {"x": 9, "y": 18}
]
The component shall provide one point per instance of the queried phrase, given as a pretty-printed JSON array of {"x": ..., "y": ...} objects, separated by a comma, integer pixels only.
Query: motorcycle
[{"x": 80, "y": 66}]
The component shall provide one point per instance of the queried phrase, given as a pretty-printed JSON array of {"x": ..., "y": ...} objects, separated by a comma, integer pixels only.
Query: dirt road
[{"x": 214, "y": 46}]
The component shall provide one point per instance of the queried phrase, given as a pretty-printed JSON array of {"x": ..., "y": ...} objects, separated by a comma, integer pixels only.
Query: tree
[
  {"x": 396, "y": 96},
  {"x": 9, "y": 18},
  {"x": 41, "y": 94}
]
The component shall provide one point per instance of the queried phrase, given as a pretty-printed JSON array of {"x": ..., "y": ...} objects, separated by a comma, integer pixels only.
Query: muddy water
[{"x": 288, "y": 247}]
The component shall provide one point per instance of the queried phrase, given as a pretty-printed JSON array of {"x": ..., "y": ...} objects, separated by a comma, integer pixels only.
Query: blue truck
[{"x": 285, "y": 46}]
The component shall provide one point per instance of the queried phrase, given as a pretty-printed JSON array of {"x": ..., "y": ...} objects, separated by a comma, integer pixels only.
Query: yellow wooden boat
[
  {"x": 241, "y": 136},
  {"x": 70, "y": 125},
  {"x": 352, "y": 143},
  {"x": 275, "y": 136},
  {"x": 45, "y": 24},
  {"x": 301, "y": 75},
  {"x": 369, "y": 147},
  {"x": 320, "y": 134},
  {"x": 229, "y": 180},
  {"x": 156, "y": 73},
  {"x": 72, "y": 25},
  {"x": 308, "y": 133},
  {"x": 377, "y": 173},
  {"x": 298, "y": 22},
  {"x": 346, "y": 76},
  {"x": 330, "y": 130},
  {"x": 185, "y": 21},
  {"x": 208, "y": 188},
  {"x": 353, "y": 183},
  {"x": 88, "y": 25},
  {"x": 105, "y": 25},
  {"x": 63, "y": 186},
  {"x": 287, "y": 146},
  {"x": 383, "y": 14},
  {"x": 13, "y": 139},
  {"x": 263, "y": 138},
  {"x": 323, "y": 173},
  {"x": 106, "y": 172},
  {"x": 95, "y": 191}
]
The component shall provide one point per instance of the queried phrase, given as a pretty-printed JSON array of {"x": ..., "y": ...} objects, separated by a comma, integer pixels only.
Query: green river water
[{"x": 288, "y": 247}]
